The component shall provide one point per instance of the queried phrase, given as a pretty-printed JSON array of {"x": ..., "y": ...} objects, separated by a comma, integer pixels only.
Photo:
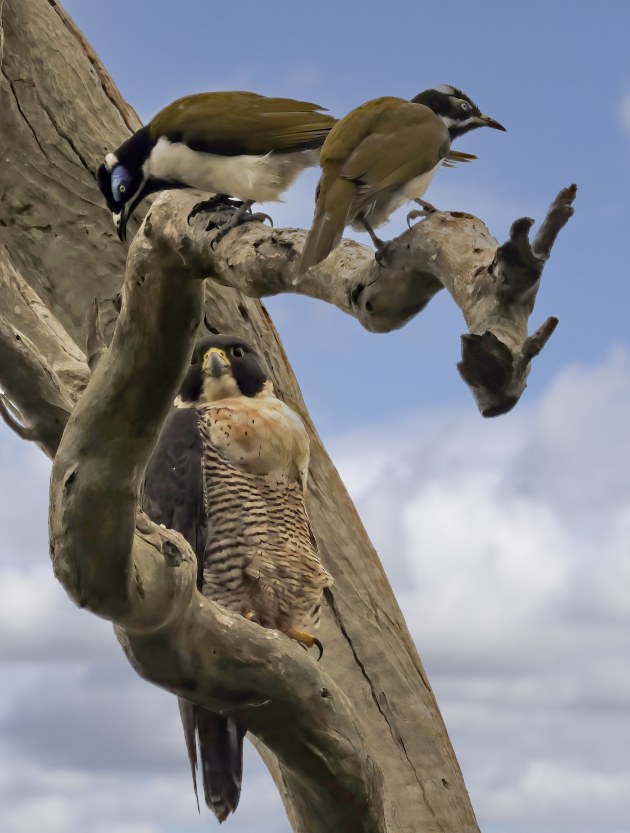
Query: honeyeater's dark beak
[
  {"x": 122, "y": 217},
  {"x": 486, "y": 121},
  {"x": 120, "y": 221}
]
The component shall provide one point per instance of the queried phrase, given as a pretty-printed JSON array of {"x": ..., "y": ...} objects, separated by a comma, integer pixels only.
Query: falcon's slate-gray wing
[{"x": 174, "y": 496}]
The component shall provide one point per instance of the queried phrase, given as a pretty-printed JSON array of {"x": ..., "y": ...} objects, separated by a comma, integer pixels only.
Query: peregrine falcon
[{"x": 229, "y": 472}]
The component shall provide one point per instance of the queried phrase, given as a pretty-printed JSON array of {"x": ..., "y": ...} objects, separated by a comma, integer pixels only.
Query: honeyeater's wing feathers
[
  {"x": 405, "y": 141},
  {"x": 235, "y": 123}
]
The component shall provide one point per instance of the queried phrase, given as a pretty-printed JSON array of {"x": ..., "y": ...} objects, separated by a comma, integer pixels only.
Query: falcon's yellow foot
[
  {"x": 306, "y": 639},
  {"x": 251, "y": 616}
]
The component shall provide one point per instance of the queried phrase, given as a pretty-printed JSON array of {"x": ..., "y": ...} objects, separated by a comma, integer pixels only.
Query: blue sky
[{"x": 507, "y": 541}]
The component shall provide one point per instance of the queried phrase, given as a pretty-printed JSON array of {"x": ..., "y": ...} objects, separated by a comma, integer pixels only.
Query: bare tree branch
[
  {"x": 146, "y": 583},
  {"x": 557, "y": 217},
  {"x": 42, "y": 371},
  {"x": 34, "y": 388},
  {"x": 494, "y": 286},
  {"x": 7, "y": 411}
]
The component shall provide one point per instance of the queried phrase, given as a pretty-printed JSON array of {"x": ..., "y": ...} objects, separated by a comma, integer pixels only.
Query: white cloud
[
  {"x": 38, "y": 621},
  {"x": 50, "y": 799},
  {"x": 23, "y": 500},
  {"x": 579, "y": 797},
  {"x": 507, "y": 543}
]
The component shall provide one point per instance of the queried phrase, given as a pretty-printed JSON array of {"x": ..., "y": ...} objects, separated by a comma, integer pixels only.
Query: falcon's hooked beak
[{"x": 218, "y": 362}]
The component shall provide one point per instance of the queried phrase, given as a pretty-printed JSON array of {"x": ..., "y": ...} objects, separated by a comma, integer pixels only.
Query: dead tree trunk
[{"x": 360, "y": 742}]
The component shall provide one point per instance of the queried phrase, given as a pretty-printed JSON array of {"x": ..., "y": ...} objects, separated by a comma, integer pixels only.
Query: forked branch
[{"x": 494, "y": 286}]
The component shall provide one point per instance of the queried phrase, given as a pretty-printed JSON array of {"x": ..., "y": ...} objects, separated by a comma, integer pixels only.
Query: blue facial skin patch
[{"x": 120, "y": 181}]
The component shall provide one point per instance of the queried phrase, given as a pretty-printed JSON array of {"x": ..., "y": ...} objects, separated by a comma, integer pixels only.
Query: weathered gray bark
[{"x": 60, "y": 113}]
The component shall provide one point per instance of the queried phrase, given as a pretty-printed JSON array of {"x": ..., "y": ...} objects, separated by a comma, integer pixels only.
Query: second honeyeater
[
  {"x": 234, "y": 144},
  {"x": 382, "y": 155}
]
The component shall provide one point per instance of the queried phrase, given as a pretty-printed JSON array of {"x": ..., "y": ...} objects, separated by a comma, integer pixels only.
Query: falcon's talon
[
  {"x": 319, "y": 645},
  {"x": 306, "y": 640},
  {"x": 252, "y": 616}
]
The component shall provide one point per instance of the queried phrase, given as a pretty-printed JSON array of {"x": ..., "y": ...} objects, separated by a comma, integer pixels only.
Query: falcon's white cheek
[{"x": 216, "y": 388}]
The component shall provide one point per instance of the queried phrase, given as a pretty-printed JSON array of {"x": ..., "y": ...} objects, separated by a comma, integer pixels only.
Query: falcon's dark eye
[
  {"x": 237, "y": 352},
  {"x": 465, "y": 105}
]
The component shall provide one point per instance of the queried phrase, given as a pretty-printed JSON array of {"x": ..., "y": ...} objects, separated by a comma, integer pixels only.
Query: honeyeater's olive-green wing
[
  {"x": 235, "y": 123},
  {"x": 405, "y": 141}
]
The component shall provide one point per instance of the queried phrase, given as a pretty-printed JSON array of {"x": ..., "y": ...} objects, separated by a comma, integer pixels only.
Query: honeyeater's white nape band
[{"x": 445, "y": 88}]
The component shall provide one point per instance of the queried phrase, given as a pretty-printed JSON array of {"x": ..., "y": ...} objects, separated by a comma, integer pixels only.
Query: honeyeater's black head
[
  {"x": 458, "y": 112},
  {"x": 124, "y": 179},
  {"x": 221, "y": 367}
]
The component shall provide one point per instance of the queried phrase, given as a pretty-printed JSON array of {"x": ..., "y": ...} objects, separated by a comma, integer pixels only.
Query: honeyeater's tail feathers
[{"x": 332, "y": 209}]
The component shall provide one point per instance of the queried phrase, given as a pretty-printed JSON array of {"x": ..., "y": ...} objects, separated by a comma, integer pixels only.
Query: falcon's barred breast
[{"x": 260, "y": 552}]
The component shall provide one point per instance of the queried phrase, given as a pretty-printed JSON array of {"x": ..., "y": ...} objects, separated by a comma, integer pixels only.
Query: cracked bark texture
[{"x": 58, "y": 249}]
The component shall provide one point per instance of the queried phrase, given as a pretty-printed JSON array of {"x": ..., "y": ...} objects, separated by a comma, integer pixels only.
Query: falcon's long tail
[
  {"x": 220, "y": 742},
  {"x": 332, "y": 208}
]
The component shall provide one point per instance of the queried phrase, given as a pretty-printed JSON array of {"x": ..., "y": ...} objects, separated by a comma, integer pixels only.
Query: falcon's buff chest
[{"x": 259, "y": 434}]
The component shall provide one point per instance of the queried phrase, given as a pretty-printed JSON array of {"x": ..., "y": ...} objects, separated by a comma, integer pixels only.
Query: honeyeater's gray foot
[
  {"x": 426, "y": 208},
  {"x": 219, "y": 202},
  {"x": 376, "y": 240},
  {"x": 240, "y": 212}
]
